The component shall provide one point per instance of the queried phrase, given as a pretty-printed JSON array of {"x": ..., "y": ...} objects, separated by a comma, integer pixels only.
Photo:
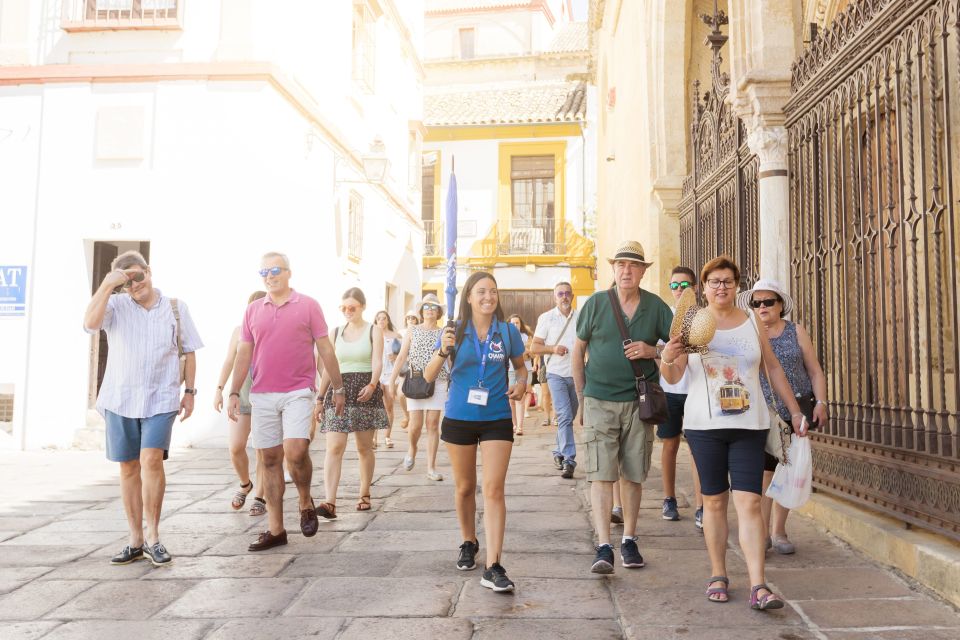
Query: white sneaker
[
  {"x": 407, "y": 463},
  {"x": 287, "y": 478},
  {"x": 433, "y": 475}
]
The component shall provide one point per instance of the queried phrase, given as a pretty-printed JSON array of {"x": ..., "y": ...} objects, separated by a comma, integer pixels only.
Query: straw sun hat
[
  {"x": 630, "y": 250},
  {"x": 695, "y": 325},
  {"x": 744, "y": 298}
]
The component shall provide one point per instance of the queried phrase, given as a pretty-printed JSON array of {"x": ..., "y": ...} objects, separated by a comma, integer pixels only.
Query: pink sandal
[
  {"x": 762, "y": 603},
  {"x": 718, "y": 594}
]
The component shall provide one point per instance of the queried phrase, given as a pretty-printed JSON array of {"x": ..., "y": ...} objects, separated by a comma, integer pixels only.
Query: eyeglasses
[
  {"x": 136, "y": 276},
  {"x": 680, "y": 285},
  {"x": 564, "y": 294},
  {"x": 348, "y": 307},
  {"x": 715, "y": 283},
  {"x": 430, "y": 307},
  {"x": 272, "y": 271},
  {"x": 769, "y": 302}
]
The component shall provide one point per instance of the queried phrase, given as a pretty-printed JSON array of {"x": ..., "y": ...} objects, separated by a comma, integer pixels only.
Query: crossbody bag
[
  {"x": 542, "y": 371},
  {"x": 651, "y": 400}
]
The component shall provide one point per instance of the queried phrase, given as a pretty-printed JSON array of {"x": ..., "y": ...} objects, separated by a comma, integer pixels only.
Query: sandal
[
  {"x": 762, "y": 603},
  {"x": 259, "y": 506},
  {"x": 364, "y": 503},
  {"x": 718, "y": 594},
  {"x": 545, "y": 423},
  {"x": 518, "y": 431},
  {"x": 327, "y": 510},
  {"x": 240, "y": 497},
  {"x": 388, "y": 443}
]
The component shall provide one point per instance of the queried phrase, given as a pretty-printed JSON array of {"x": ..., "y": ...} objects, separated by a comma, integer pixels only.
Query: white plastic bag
[{"x": 792, "y": 482}]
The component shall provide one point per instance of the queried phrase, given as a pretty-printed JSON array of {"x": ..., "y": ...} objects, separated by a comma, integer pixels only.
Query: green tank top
[{"x": 355, "y": 356}]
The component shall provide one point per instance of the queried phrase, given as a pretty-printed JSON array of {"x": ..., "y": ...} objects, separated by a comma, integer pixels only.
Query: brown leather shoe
[
  {"x": 267, "y": 540},
  {"x": 308, "y": 521}
]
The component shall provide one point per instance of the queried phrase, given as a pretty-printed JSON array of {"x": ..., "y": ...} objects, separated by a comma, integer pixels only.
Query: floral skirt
[{"x": 357, "y": 416}]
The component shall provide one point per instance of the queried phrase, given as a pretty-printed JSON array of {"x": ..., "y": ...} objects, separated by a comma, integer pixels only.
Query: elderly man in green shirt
[{"x": 617, "y": 442}]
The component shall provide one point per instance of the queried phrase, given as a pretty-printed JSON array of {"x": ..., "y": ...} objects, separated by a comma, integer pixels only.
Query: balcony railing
[
  {"x": 98, "y": 15},
  {"x": 527, "y": 239},
  {"x": 432, "y": 243}
]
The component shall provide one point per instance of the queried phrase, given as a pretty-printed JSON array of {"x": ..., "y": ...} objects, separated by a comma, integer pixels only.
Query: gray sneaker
[
  {"x": 157, "y": 554},
  {"x": 669, "y": 509},
  {"x": 408, "y": 463}
]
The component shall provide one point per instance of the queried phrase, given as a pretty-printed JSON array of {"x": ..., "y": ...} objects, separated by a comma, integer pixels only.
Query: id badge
[{"x": 478, "y": 396}]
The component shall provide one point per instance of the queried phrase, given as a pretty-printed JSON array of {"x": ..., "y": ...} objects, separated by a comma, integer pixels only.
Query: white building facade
[
  {"x": 203, "y": 133},
  {"x": 506, "y": 101}
]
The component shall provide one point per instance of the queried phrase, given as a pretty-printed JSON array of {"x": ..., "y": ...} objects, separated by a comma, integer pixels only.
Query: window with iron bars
[
  {"x": 130, "y": 9},
  {"x": 532, "y": 189}
]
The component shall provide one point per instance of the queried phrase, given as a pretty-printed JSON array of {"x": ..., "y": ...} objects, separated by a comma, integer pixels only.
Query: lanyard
[{"x": 482, "y": 355}]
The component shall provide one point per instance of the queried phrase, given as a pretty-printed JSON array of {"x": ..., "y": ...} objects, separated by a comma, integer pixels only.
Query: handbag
[
  {"x": 542, "y": 371},
  {"x": 651, "y": 400},
  {"x": 416, "y": 387}
]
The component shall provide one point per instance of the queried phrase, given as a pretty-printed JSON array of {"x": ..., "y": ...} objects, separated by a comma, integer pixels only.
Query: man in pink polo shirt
[{"x": 278, "y": 337}]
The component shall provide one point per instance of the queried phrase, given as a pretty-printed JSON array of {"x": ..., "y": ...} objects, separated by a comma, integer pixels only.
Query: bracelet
[
  {"x": 667, "y": 364},
  {"x": 339, "y": 392},
  {"x": 794, "y": 415},
  {"x": 821, "y": 402},
  {"x": 235, "y": 393},
  {"x": 442, "y": 354}
]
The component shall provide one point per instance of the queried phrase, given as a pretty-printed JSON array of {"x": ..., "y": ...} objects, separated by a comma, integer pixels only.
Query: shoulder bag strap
[
  {"x": 618, "y": 316},
  {"x": 566, "y": 324},
  {"x": 176, "y": 315}
]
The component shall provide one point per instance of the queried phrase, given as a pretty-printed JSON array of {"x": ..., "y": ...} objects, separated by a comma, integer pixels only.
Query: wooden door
[{"x": 529, "y": 303}]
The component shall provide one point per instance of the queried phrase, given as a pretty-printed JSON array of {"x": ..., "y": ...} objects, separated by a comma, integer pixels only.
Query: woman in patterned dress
[
  {"x": 417, "y": 349},
  {"x": 359, "y": 347}
]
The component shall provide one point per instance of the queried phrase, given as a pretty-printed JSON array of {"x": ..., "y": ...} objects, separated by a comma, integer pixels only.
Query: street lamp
[{"x": 376, "y": 163}]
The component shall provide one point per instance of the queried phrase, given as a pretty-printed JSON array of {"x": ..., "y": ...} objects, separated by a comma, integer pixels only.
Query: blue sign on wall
[{"x": 13, "y": 291}]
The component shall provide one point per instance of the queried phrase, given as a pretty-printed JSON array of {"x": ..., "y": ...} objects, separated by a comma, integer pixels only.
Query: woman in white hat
[
  {"x": 417, "y": 350},
  {"x": 794, "y": 349}
]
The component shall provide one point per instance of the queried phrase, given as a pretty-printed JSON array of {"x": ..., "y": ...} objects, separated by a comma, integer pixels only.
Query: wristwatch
[{"x": 192, "y": 392}]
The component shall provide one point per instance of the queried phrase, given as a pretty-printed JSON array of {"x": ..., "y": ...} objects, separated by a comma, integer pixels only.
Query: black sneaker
[
  {"x": 603, "y": 563},
  {"x": 630, "y": 554},
  {"x": 567, "y": 470},
  {"x": 157, "y": 554},
  {"x": 558, "y": 461},
  {"x": 468, "y": 556},
  {"x": 495, "y": 577},
  {"x": 669, "y": 509},
  {"x": 128, "y": 555}
]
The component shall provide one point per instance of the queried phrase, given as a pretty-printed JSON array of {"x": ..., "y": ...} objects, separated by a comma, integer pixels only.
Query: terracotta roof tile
[
  {"x": 525, "y": 103},
  {"x": 572, "y": 37}
]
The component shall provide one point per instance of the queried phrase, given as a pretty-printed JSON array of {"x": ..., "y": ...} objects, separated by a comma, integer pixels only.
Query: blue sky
[{"x": 580, "y": 10}]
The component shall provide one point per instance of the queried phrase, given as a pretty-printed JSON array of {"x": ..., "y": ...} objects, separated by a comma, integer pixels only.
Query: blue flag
[{"x": 451, "y": 244}]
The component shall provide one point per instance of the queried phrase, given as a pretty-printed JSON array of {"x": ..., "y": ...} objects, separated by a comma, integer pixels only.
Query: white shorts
[
  {"x": 436, "y": 402},
  {"x": 280, "y": 416}
]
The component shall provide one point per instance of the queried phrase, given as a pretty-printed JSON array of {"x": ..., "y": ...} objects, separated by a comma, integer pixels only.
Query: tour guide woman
[
  {"x": 478, "y": 413},
  {"x": 726, "y": 423}
]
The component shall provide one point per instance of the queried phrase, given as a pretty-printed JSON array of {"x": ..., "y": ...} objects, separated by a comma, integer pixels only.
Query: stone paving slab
[
  {"x": 342, "y": 565},
  {"x": 888, "y": 612},
  {"x": 244, "y": 566},
  {"x": 57, "y": 538},
  {"x": 323, "y": 542},
  {"x": 830, "y": 582},
  {"x": 377, "y": 597},
  {"x": 494, "y": 629},
  {"x": 97, "y": 567},
  {"x": 897, "y": 633},
  {"x": 40, "y": 556},
  {"x": 125, "y": 630},
  {"x": 281, "y": 628},
  {"x": 414, "y": 522},
  {"x": 117, "y": 599},
  {"x": 407, "y": 629},
  {"x": 538, "y": 598},
  {"x": 28, "y": 630},
  {"x": 37, "y": 598},
  {"x": 229, "y": 598}
]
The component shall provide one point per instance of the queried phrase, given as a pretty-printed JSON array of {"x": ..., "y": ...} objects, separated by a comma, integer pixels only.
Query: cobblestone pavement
[{"x": 389, "y": 573}]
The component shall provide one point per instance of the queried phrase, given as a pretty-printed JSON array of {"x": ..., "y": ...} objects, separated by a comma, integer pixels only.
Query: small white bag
[{"x": 792, "y": 482}]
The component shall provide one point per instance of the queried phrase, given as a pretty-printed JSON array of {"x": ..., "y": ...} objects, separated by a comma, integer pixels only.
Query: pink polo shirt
[{"x": 283, "y": 343}]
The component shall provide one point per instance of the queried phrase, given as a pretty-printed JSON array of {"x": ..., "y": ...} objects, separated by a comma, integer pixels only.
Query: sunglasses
[
  {"x": 349, "y": 307},
  {"x": 769, "y": 302},
  {"x": 680, "y": 285},
  {"x": 564, "y": 294},
  {"x": 272, "y": 271},
  {"x": 430, "y": 307},
  {"x": 136, "y": 276}
]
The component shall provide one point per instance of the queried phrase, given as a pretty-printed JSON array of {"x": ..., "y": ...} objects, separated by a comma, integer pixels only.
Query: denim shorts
[
  {"x": 127, "y": 436},
  {"x": 728, "y": 459}
]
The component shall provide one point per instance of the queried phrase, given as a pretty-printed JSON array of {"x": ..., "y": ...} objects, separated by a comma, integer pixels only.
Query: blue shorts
[
  {"x": 127, "y": 436},
  {"x": 673, "y": 427}
]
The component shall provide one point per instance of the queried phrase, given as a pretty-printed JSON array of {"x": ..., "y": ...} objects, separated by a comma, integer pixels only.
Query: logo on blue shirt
[{"x": 496, "y": 353}]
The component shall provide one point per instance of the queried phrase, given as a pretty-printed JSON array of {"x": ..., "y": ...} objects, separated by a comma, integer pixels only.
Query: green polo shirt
[{"x": 609, "y": 373}]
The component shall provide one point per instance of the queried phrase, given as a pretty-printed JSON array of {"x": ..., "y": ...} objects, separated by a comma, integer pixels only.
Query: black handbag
[
  {"x": 416, "y": 387},
  {"x": 651, "y": 400}
]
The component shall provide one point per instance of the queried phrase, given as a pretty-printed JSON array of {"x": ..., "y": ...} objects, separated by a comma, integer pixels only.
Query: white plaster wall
[{"x": 226, "y": 176}]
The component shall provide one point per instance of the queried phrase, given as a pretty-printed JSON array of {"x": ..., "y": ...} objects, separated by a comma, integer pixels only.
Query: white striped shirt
[{"x": 143, "y": 368}]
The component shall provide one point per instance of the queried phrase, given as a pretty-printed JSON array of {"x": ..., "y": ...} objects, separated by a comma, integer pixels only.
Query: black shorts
[
  {"x": 769, "y": 462},
  {"x": 674, "y": 424},
  {"x": 468, "y": 432},
  {"x": 728, "y": 458}
]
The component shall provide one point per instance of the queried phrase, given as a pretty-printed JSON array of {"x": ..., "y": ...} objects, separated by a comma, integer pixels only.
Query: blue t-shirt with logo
[{"x": 466, "y": 372}]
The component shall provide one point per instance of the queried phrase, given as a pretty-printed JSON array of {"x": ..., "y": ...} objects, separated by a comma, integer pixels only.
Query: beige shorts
[
  {"x": 280, "y": 416},
  {"x": 617, "y": 441}
]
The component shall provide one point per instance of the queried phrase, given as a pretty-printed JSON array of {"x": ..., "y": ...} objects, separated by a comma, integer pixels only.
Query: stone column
[{"x": 769, "y": 143}]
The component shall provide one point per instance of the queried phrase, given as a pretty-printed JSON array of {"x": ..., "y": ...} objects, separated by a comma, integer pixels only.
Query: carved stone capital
[
  {"x": 669, "y": 191},
  {"x": 770, "y": 145}
]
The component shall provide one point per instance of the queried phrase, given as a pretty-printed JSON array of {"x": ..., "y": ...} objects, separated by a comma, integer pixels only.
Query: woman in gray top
[{"x": 794, "y": 349}]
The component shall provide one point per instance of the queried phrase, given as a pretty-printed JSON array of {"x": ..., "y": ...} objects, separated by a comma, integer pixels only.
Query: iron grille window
[
  {"x": 364, "y": 50},
  {"x": 355, "y": 232}
]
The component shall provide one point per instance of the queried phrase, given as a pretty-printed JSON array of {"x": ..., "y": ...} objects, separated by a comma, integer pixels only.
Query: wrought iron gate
[
  {"x": 719, "y": 210},
  {"x": 874, "y": 129}
]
